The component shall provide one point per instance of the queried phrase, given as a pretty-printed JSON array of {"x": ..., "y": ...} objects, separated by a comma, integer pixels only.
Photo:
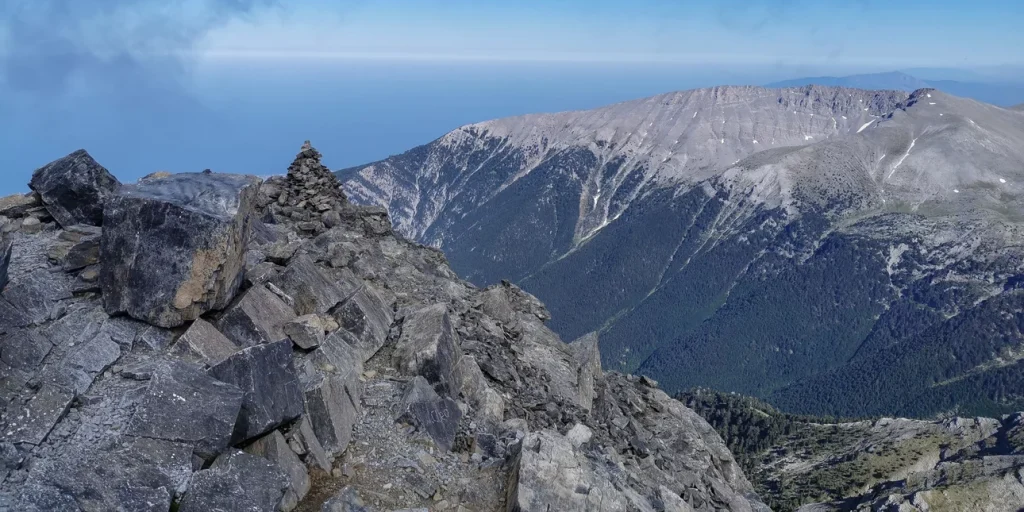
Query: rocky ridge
[{"x": 213, "y": 343}]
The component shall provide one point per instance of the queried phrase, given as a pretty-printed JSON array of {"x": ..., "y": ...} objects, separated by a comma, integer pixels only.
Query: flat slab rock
[
  {"x": 186, "y": 405},
  {"x": 194, "y": 228},
  {"x": 74, "y": 188},
  {"x": 258, "y": 317}
]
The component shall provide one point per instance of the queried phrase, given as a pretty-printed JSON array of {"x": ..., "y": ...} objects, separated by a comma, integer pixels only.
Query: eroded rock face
[
  {"x": 173, "y": 248},
  {"x": 74, "y": 188}
]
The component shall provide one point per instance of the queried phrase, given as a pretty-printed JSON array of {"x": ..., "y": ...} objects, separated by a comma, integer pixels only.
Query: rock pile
[
  {"x": 309, "y": 195},
  {"x": 281, "y": 349}
]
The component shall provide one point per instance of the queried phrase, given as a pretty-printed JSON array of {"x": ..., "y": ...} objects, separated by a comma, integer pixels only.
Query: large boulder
[
  {"x": 173, "y": 248},
  {"x": 258, "y": 317},
  {"x": 274, "y": 448},
  {"x": 184, "y": 404},
  {"x": 74, "y": 188},
  {"x": 272, "y": 392},
  {"x": 429, "y": 346},
  {"x": 237, "y": 482},
  {"x": 551, "y": 474},
  {"x": 331, "y": 394},
  {"x": 312, "y": 291}
]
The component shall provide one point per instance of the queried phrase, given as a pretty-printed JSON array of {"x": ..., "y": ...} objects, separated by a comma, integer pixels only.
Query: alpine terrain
[{"x": 830, "y": 250}]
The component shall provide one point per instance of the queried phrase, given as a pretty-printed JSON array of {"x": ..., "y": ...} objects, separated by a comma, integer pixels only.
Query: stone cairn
[{"x": 309, "y": 195}]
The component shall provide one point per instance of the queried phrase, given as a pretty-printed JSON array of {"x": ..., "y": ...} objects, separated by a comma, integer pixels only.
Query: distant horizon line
[{"x": 589, "y": 58}]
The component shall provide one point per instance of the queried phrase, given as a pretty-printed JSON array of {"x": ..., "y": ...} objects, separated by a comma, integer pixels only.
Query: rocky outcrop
[
  {"x": 193, "y": 228},
  {"x": 348, "y": 369},
  {"x": 74, "y": 188}
]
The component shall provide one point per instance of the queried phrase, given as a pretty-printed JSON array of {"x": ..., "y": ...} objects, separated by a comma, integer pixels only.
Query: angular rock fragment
[
  {"x": 18, "y": 205},
  {"x": 174, "y": 248},
  {"x": 257, "y": 318},
  {"x": 184, "y": 404},
  {"x": 429, "y": 347},
  {"x": 236, "y": 482},
  {"x": 274, "y": 448},
  {"x": 587, "y": 356},
  {"x": 74, "y": 188},
  {"x": 438, "y": 417},
  {"x": 38, "y": 295},
  {"x": 549, "y": 474},
  {"x": 313, "y": 292},
  {"x": 331, "y": 391},
  {"x": 306, "y": 331},
  {"x": 203, "y": 343},
  {"x": 40, "y": 414},
  {"x": 6, "y": 247},
  {"x": 85, "y": 361},
  {"x": 84, "y": 253},
  {"x": 273, "y": 395},
  {"x": 312, "y": 445},
  {"x": 367, "y": 317},
  {"x": 488, "y": 402}
]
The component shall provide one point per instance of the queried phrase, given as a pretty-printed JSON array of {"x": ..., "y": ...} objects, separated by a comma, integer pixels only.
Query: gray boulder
[
  {"x": 312, "y": 291},
  {"x": 274, "y": 448},
  {"x": 272, "y": 392},
  {"x": 550, "y": 474},
  {"x": 236, "y": 482},
  {"x": 184, "y": 404},
  {"x": 331, "y": 391},
  {"x": 193, "y": 228},
  {"x": 203, "y": 343},
  {"x": 74, "y": 188},
  {"x": 429, "y": 347},
  {"x": 587, "y": 356},
  {"x": 368, "y": 317},
  {"x": 438, "y": 417},
  {"x": 257, "y": 318}
]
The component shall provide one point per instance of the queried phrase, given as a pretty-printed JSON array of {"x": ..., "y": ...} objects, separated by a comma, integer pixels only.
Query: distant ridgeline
[{"x": 832, "y": 251}]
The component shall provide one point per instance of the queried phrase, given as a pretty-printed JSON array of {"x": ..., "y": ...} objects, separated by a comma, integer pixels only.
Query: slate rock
[
  {"x": 18, "y": 205},
  {"x": 184, "y": 404},
  {"x": 311, "y": 444},
  {"x": 41, "y": 413},
  {"x": 194, "y": 228},
  {"x": 134, "y": 474},
  {"x": 203, "y": 343},
  {"x": 38, "y": 295},
  {"x": 488, "y": 403},
  {"x": 438, "y": 417},
  {"x": 273, "y": 395},
  {"x": 587, "y": 357},
  {"x": 24, "y": 349},
  {"x": 429, "y": 346},
  {"x": 6, "y": 246},
  {"x": 306, "y": 331},
  {"x": 331, "y": 391},
  {"x": 312, "y": 290},
  {"x": 85, "y": 361},
  {"x": 84, "y": 253},
  {"x": 257, "y": 318},
  {"x": 550, "y": 474},
  {"x": 274, "y": 448},
  {"x": 368, "y": 317},
  {"x": 236, "y": 482},
  {"x": 74, "y": 188}
]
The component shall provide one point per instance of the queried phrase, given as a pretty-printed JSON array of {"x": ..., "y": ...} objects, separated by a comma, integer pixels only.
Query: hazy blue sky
[
  {"x": 873, "y": 32},
  {"x": 236, "y": 85}
]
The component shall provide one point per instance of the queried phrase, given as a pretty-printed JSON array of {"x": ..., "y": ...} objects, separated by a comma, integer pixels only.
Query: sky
[{"x": 236, "y": 85}]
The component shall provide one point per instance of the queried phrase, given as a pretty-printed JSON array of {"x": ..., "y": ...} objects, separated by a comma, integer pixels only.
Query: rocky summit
[{"x": 204, "y": 341}]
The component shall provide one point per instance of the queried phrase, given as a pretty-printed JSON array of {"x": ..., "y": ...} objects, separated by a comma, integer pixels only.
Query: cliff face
[{"x": 229, "y": 345}]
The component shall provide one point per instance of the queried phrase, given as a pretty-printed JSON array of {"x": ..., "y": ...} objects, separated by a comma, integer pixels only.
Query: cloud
[{"x": 55, "y": 47}]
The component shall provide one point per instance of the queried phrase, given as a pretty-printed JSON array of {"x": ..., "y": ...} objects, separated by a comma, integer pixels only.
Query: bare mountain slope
[{"x": 791, "y": 241}]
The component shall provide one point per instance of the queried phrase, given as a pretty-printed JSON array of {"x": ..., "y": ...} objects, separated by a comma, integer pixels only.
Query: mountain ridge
[{"x": 613, "y": 235}]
